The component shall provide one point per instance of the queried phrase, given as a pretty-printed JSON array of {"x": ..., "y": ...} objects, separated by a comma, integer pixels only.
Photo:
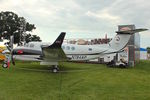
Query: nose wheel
[
  {"x": 5, "y": 65},
  {"x": 6, "y": 62}
]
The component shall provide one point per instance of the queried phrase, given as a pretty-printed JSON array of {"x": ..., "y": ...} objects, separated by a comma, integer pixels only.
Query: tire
[
  {"x": 4, "y": 65},
  {"x": 55, "y": 70}
]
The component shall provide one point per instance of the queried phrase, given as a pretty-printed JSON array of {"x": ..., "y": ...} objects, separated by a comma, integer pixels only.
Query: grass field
[{"x": 77, "y": 81}]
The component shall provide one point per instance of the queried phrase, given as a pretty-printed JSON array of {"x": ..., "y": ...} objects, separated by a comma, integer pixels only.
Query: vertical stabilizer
[{"x": 122, "y": 38}]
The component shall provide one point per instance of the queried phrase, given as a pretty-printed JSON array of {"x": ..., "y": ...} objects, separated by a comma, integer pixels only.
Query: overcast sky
[{"x": 82, "y": 18}]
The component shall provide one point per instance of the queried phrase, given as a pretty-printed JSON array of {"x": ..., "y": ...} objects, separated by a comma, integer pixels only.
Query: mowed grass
[{"x": 76, "y": 81}]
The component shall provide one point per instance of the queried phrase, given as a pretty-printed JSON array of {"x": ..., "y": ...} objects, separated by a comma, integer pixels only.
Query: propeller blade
[
  {"x": 10, "y": 48},
  {"x": 12, "y": 59}
]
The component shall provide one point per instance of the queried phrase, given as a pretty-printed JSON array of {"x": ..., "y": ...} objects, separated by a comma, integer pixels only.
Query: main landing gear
[
  {"x": 53, "y": 65},
  {"x": 55, "y": 69}
]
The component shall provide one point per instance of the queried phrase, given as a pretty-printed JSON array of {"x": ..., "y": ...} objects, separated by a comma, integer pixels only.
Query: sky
[{"x": 81, "y": 18}]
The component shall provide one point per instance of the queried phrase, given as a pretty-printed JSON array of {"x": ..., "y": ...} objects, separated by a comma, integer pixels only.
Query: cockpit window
[
  {"x": 31, "y": 45},
  {"x": 26, "y": 45}
]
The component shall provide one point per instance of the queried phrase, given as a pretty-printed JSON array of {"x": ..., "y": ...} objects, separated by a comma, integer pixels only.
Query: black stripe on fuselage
[{"x": 89, "y": 54}]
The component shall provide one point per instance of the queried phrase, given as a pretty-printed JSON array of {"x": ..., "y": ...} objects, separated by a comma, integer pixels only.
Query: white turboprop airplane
[{"x": 51, "y": 54}]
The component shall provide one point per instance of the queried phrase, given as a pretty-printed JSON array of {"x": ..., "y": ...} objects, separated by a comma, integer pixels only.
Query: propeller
[
  {"x": 10, "y": 48},
  {"x": 12, "y": 58}
]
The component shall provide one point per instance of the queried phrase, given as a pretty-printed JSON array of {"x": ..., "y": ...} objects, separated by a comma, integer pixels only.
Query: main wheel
[
  {"x": 55, "y": 70},
  {"x": 4, "y": 65}
]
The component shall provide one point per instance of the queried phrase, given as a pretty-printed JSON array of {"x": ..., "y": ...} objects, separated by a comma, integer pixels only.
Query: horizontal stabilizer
[{"x": 131, "y": 31}]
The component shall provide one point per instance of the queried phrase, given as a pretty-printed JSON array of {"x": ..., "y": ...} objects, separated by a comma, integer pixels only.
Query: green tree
[
  {"x": 35, "y": 38},
  {"x": 12, "y": 24},
  {"x": 148, "y": 49},
  {"x": 29, "y": 38}
]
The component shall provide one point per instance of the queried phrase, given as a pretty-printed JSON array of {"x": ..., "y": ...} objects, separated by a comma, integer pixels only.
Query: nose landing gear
[{"x": 5, "y": 65}]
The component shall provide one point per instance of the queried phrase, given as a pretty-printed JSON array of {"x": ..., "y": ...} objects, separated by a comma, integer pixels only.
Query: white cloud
[
  {"x": 80, "y": 16},
  {"x": 104, "y": 15}
]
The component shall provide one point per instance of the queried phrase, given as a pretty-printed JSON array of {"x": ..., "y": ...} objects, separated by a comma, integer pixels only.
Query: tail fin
[{"x": 122, "y": 38}]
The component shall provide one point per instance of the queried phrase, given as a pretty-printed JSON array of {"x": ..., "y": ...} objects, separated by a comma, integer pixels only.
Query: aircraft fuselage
[{"x": 33, "y": 51}]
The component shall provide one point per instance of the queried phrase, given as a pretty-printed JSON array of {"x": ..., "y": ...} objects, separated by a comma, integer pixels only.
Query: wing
[{"x": 54, "y": 52}]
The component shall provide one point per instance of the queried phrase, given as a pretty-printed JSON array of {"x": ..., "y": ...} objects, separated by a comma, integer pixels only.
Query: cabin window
[
  {"x": 31, "y": 45},
  {"x": 72, "y": 48},
  {"x": 90, "y": 49},
  {"x": 63, "y": 47},
  {"x": 26, "y": 45},
  {"x": 68, "y": 48}
]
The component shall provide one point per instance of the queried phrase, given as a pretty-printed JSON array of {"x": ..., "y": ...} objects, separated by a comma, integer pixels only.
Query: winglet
[
  {"x": 58, "y": 42},
  {"x": 131, "y": 31}
]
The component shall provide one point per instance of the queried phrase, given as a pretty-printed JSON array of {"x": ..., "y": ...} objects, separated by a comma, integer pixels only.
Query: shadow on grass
[{"x": 63, "y": 67}]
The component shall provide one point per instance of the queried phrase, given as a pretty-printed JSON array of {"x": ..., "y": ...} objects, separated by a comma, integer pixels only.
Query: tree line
[{"x": 12, "y": 24}]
